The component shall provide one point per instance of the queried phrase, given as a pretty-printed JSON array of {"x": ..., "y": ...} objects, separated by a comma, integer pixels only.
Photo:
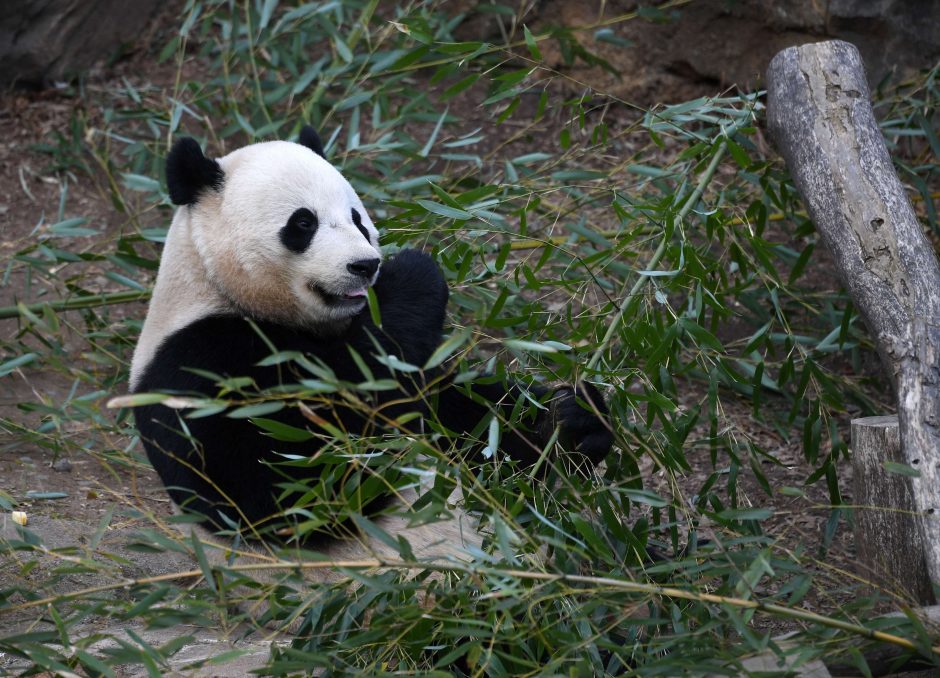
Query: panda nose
[{"x": 364, "y": 268}]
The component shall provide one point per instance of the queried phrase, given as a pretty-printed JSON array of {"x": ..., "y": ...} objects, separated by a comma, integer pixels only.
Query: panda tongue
[{"x": 357, "y": 294}]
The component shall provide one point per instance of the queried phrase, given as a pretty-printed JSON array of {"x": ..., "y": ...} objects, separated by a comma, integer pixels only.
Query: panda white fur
[{"x": 271, "y": 246}]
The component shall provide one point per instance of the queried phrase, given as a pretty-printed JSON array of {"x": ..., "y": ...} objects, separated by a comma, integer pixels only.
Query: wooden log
[
  {"x": 820, "y": 117},
  {"x": 888, "y": 541},
  {"x": 821, "y": 120}
]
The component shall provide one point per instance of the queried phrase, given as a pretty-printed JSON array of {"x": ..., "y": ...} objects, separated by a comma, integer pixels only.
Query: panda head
[{"x": 279, "y": 232}]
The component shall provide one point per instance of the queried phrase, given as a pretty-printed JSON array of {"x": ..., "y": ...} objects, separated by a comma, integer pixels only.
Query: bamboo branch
[
  {"x": 73, "y": 303},
  {"x": 470, "y": 569},
  {"x": 627, "y": 299}
]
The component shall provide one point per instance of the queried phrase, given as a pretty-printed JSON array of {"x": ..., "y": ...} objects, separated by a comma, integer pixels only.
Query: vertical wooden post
[
  {"x": 888, "y": 540},
  {"x": 919, "y": 416}
]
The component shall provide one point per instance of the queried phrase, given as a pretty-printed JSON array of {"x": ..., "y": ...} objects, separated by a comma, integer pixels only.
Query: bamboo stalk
[
  {"x": 89, "y": 301},
  {"x": 598, "y": 582},
  {"x": 535, "y": 243},
  {"x": 657, "y": 255}
]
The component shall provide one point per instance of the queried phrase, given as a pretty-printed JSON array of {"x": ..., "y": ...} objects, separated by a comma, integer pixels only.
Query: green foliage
[{"x": 662, "y": 256}]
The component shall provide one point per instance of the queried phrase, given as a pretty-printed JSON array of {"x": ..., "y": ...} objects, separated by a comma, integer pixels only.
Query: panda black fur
[{"x": 272, "y": 247}]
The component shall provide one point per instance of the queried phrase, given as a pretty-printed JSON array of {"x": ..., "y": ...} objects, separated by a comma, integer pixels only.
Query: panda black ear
[
  {"x": 310, "y": 139},
  {"x": 188, "y": 172}
]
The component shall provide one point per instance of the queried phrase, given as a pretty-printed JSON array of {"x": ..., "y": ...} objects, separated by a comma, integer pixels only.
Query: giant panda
[{"x": 271, "y": 249}]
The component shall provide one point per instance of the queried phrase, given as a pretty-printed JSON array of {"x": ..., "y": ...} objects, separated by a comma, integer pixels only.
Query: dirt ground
[{"x": 129, "y": 496}]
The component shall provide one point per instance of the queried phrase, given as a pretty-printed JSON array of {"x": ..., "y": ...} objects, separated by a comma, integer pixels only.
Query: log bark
[
  {"x": 888, "y": 541},
  {"x": 919, "y": 415},
  {"x": 821, "y": 120}
]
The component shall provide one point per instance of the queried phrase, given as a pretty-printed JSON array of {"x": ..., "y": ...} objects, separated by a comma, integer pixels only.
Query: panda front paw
[
  {"x": 412, "y": 297},
  {"x": 581, "y": 416},
  {"x": 413, "y": 277}
]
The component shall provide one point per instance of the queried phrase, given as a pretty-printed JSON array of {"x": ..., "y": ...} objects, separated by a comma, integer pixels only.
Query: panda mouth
[{"x": 354, "y": 298}]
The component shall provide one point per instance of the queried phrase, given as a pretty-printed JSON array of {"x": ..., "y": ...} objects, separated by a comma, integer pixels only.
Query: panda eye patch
[
  {"x": 297, "y": 234},
  {"x": 362, "y": 229}
]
